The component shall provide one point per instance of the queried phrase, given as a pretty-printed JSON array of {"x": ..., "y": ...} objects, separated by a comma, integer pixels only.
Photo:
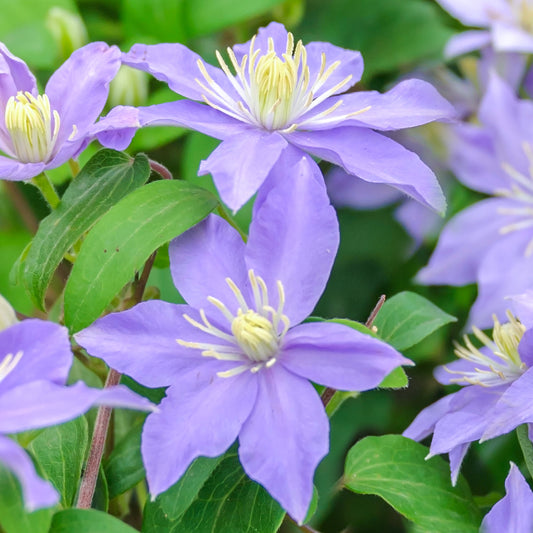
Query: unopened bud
[
  {"x": 129, "y": 87},
  {"x": 67, "y": 29},
  {"x": 7, "y": 314}
]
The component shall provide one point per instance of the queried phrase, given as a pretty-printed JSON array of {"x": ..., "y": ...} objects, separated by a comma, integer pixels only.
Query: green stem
[
  {"x": 43, "y": 183},
  {"x": 526, "y": 445},
  {"x": 74, "y": 167}
]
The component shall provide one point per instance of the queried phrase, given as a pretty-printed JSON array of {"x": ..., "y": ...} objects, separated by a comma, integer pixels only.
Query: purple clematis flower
[
  {"x": 514, "y": 512},
  {"x": 43, "y": 131},
  {"x": 284, "y": 93},
  {"x": 237, "y": 359},
  {"x": 508, "y": 23},
  {"x": 496, "y": 399},
  {"x": 35, "y": 359},
  {"x": 491, "y": 242}
]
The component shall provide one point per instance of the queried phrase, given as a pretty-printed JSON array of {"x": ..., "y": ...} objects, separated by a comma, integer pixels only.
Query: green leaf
[
  {"x": 397, "y": 379},
  {"x": 407, "y": 318},
  {"x": 87, "y": 521},
  {"x": 124, "y": 238},
  {"x": 104, "y": 180},
  {"x": 216, "y": 497},
  {"x": 124, "y": 467},
  {"x": 393, "y": 467},
  {"x": 60, "y": 451},
  {"x": 13, "y": 517},
  {"x": 207, "y": 16}
]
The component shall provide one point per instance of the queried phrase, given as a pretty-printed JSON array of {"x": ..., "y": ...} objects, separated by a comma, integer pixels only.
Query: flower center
[
  {"x": 256, "y": 335},
  {"x": 275, "y": 92},
  {"x": 523, "y": 11},
  {"x": 503, "y": 365},
  {"x": 8, "y": 363},
  {"x": 33, "y": 126},
  {"x": 521, "y": 190}
]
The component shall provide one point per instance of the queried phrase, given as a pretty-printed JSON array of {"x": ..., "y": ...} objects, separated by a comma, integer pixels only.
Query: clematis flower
[
  {"x": 43, "y": 131},
  {"x": 496, "y": 398},
  {"x": 237, "y": 359},
  {"x": 491, "y": 242},
  {"x": 508, "y": 23},
  {"x": 283, "y": 93},
  {"x": 35, "y": 359},
  {"x": 514, "y": 512}
]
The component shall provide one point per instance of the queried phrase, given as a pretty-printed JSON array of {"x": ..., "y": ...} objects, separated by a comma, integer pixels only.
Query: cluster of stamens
[
  {"x": 275, "y": 92},
  {"x": 503, "y": 365},
  {"x": 521, "y": 190},
  {"x": 8, "y": 363},
  {"x": 523, "y": 11},
  {"x": 256, "y": 334},
  {"x": 32, "y": 125}
]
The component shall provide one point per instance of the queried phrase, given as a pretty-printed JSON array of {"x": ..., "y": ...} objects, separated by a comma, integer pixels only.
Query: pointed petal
[
  {"x": 474, "y": 12},
  {"x": 46, "y": 353},
  {"x": 511, "y": 38},
  {"x": 41, "y": 403},
  {"x": 142, "y": 341},
  {"x": 13, "y": 170},
  {"x": 192, "y": 115},
  {"x": 514, "y": 512},
  {"x": 285, "y": 438},
  {"x": 514, "y": 408},
  {"x": 78, "y": 89},
  {"x": 241, "y": 163},
  {"x": 338, "y": 356},
  {"x": 201, "y": 415},
  {"x": 37, "y": 492},
  {"x": 464, "y": 242},
  {"x": 424, "y": 423},
  {"x": 456, "y": 460},
  {"x": 117, "y": 128},
  {"x": 466, "y": 42},
  {"x": 374, "y": 158},
  {"x": 505, "y": 270},
  {"x": 294, "y": 235},
  {"x": 203, "y": 257}
]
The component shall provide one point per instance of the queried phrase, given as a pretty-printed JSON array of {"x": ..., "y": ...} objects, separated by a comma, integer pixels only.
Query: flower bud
[
  {"x": 67, "y": 29},
  {"x": 129, "y": 87},
  {"x": 7, "y": 314}
]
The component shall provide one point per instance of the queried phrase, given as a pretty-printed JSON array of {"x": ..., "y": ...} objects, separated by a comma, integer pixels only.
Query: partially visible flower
[
  {"x": 508, "y": 23},
  {"x": 497, "y": 396},
  {"x": 43, "y": 131},
  {"x": 491, "y": 242},
  {"x": 282, "y": 93},
  {"x": 514, "y": 512},
  {"x": 237, "y": 359},
  {"x": 35, "y": 359}
]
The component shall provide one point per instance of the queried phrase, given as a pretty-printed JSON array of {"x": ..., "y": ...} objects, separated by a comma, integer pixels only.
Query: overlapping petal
[
  {"x": 338, "y": 356},
  {"x": 14, "y": 170},
  {"x": 474, "y": 12},
  {"x": 467, "y": 41},
  {"x": 284, "y": 439}
]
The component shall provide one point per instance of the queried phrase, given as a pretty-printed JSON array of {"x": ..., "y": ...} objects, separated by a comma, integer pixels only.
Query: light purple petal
[
  {"x": 466, "y": 42},
  {"x": 456, "y": 459},
  {"x": 78, "y": 89},
  {"x": 374, "y": 158},
  {"x": 201, "y": 415},
  {"x": 419, "y": 221},
  {"x": 274, "y": 31},
  {"x": 410, "y": 103},
  {"x": 117, "y": 128},
  {"x": 508, "y": 37},
  {"x": 474, "y": 12},
  {"x": 285, "y": 438},
  {"x": 241, "y": 163},
  {"x": 203, "y": 257},
  {"x": 514, "y": 408},
  {"x": 345, "y": 191},
  {"x": 464, "y": 242},
  {"x": 525, "y": 348},
  {"x": 192, "y": 115},
  {"x": 294, "y": 235},
  {"x": 37, "y": 492},
  {"x": 424, "y": 423},
  {"x": 514, "y": 512},
  {"x": 473, "y": 159},
  {"x": 11, "y": 169},
  {"x": 176, "y": 65},
  {"x": 338, "y": 356},
  {"x": 46, "y": 353},
  {"x": 511, "y": 66},
  {"x": 41, "y": 403},
  {"x": 505, "y": 270},
  {"x": 446, "y": 374},
  {"x": 470, "y": 413},
  {"x": 523, "y": 307},
  {"x": 142, "y": 341}
]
